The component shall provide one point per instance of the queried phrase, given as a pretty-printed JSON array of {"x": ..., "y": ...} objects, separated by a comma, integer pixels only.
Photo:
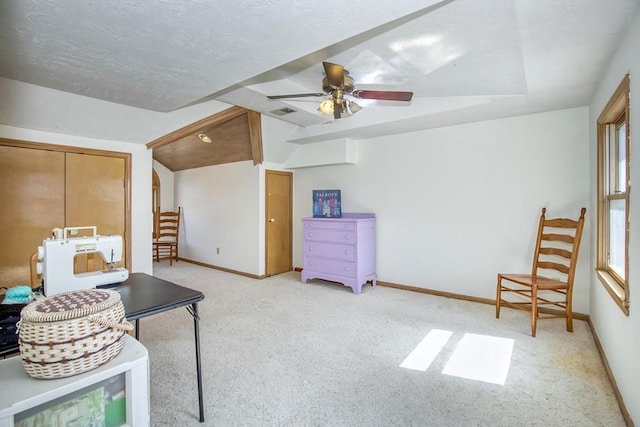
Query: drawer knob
[
  {"x": 310, "y": 234},
  {"x": 346, "y": 237},
  {"x": 310, "y": 248},
  {"x": 346, "y": 252},
  {"x": 346, "y": 269}
]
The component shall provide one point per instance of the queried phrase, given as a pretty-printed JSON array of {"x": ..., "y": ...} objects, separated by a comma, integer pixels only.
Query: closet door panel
[
  {"x": 32, "y": 187},
  {"x": 95, "y": 195}
]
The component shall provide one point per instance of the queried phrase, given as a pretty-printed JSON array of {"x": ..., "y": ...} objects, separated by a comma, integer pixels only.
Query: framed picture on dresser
[{"x": 327, "y": 204}]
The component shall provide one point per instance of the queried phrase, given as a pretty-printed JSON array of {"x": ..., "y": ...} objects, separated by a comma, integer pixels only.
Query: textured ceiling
[{"x": 465, "y": 60}]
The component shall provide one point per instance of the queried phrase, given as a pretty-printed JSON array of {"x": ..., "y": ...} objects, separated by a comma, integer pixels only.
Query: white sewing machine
[{"x": 56, "y": 256}]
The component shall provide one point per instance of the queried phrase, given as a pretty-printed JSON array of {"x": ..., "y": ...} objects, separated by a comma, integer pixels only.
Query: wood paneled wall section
[
  {"x": 31, "y": 192},
  {"x": 95, "y": 190},
  {"x": 45, "y": 186}
]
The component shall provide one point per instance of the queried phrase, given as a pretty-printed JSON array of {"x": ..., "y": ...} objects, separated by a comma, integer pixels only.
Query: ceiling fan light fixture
[
  {"x": 326, "y": 106},
  {"x": 353, "y": 107},
  {"x": 204, "y": 138}
]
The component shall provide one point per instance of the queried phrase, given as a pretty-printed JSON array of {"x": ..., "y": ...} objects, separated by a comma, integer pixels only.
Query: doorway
[{"x": 278, "y": 208}]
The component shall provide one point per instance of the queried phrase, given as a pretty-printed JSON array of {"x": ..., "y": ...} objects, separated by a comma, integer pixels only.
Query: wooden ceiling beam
[
  {"x": 255, "y": 134},
  {"x": 198, "y": 126}
]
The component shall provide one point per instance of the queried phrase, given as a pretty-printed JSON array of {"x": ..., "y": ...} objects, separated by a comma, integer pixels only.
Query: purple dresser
[{"x": 340, "y": 249}]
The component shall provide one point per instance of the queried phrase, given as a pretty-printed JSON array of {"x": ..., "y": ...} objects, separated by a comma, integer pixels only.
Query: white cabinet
[{"x": 116, "y": 393}]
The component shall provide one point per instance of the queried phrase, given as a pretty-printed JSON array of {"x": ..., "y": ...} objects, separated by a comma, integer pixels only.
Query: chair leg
[
  {"x": 534, "y": 311},
  {"x": 498, "y": 296},
  {"x": 170, "y": 255},
  {"x": 569, "y": 315}
]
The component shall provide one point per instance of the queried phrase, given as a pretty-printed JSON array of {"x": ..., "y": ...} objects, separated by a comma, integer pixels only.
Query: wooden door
[
  {"x": 279, "y": 193},
  {"x": 95, "y": 195},
  {"x": 31, "y": 205}
]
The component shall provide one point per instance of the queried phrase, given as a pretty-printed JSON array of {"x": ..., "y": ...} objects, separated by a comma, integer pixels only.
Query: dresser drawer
[
  {"x": 330, "y": 266},
  {"x": 330, "y": 250},
  {"x": 326, "y": 235},
  {"x": 331, "y": 224}
]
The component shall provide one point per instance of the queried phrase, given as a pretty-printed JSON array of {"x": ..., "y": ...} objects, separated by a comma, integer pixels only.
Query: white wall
[
  {"x": 221, "y": 206},
  {"x": 275, "y": 132},
  {"x": 166, "y": 187},
  {"x": 620, "y": 334},
  {"x": 141, "y": 216},
  {"x": 457, "y": 205},
  {"x": 35, "y": 107}
]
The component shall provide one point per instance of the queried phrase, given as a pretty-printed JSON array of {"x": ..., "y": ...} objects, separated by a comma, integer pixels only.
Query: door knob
[{"x": 272, "y": 220}]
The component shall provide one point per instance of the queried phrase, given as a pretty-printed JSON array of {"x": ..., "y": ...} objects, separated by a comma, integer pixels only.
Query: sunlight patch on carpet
[
  {"x": 421, "y": 357},
  {"x": 482, "y": 358}
]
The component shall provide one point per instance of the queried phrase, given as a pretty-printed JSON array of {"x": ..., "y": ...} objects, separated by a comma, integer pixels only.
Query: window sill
[{"x": 615, "y": 290}]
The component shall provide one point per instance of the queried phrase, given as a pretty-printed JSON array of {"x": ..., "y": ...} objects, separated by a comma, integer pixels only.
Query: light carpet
[{"x": 276, "y": 352}]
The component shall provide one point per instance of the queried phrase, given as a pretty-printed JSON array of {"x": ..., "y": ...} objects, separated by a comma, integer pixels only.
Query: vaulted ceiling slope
[{"x": 465, "y": 60}]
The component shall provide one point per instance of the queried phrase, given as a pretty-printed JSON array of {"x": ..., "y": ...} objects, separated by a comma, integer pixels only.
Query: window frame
[{"x": 614, "y": 114}]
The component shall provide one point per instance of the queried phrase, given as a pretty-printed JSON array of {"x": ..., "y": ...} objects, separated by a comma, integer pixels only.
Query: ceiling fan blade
[
  {"x": 383, "y": 95},
  {"x": 335, "y": 74},
  {"x": 296, "y": 95}
]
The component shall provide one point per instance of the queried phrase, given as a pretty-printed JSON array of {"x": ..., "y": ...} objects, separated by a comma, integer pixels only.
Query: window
[{"x": 613, "y": 196}]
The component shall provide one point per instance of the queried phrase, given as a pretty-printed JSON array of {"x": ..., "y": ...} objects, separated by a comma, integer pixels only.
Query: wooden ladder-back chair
[
  {"x": 556, "y": 254},
  {"x": 165, "y": 243}
]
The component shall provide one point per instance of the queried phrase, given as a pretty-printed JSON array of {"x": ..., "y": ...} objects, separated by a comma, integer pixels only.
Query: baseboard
[
  {"x": 625, "y": 414},
  {"x": 228, "y": 270},
  {"x": 490, "y": 301},
  {"x": 435, "y": 292}
]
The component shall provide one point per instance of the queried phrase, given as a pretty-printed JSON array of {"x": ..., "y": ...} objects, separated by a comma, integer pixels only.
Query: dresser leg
[{"x": 357, "y": 288}]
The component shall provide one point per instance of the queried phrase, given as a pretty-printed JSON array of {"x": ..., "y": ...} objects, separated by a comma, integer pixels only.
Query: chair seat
[{"x": 541, "y": 282}]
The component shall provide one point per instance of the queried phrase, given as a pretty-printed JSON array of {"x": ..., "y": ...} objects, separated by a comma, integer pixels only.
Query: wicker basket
[{"x": 71, "y": 333}]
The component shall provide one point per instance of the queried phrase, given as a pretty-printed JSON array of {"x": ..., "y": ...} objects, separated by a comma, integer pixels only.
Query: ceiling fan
[{"x": 338, "y": 83}]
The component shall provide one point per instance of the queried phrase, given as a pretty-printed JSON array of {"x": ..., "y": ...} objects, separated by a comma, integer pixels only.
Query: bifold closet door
[
  {"x": 95, "y": 195},
  {"x": 32, "y": 203}
]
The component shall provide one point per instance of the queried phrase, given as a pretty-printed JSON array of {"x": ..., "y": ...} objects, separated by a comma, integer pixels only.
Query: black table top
[{"x": 144, "y": 295}]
